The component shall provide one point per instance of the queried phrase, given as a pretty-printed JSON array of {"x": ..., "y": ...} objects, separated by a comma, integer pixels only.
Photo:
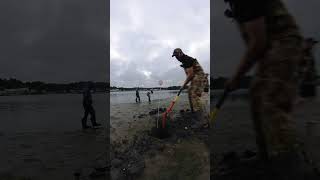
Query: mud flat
[
  {"x": 53, "y": 155},
  {"x": 140, "y": 154},
  {"x": 233, "y": 135}
]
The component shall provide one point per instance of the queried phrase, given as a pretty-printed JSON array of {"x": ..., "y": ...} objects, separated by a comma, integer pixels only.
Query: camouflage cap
[{"x": 176, "y": 51}]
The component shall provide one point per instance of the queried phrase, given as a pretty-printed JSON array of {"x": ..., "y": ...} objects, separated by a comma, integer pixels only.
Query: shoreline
[
  {"x": 136, "y": 153},
  {"x": 53, "y": 93},
  {"x": 131, "y": 117}
]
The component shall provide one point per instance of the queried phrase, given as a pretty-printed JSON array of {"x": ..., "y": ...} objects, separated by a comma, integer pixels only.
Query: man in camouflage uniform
[
  {"x": 195, "y": 75},
  {"x": 307, "y": 70},
  {"x": 274, "y": 42}
]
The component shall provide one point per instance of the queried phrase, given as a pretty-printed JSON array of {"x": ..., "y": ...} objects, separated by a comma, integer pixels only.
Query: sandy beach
[
  {"x": 127, "y": 118},
  {"x": 183, "y": 155}
]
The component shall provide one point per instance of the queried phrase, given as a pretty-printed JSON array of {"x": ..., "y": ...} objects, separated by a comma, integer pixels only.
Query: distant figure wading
[
  {"x": 137, "y": 95},
  {"x": 148, "y": 94},
  {"x": 88, "y": 108}
]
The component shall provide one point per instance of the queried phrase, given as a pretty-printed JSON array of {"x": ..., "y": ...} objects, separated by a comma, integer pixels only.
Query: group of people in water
[
  {"x": 89, "y": 110},
  {"x": 138, "y": 100}
]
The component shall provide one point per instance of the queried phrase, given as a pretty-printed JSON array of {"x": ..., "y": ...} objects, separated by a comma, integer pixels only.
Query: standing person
[
  {"x": 88, "y": 108},
  {"x": 195, "y": 75},
  {"x": 148, "y": 94},
  {"x": 308, "y": 73},
  {"x": 274, "y": 42},
  {"x": 137, "y": 95}
]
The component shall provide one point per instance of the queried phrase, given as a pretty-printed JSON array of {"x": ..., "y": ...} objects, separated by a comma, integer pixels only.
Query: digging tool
[
  {"x": 214, "y": 112},
  {"x": 164, "y": 116}
]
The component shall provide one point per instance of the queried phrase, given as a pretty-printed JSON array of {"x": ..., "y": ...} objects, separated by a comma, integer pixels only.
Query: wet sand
[
  {"x": 233, "y": 130},
  {"x": 41, "y": 137},
  {"x": 127, "y": 118},
  {"x": 52, "y": 156},
  {"x": 137, "y": 154}
]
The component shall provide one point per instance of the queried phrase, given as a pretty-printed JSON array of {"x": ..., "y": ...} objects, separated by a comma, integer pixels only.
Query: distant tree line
[
  {"x": 145, "y": 89},
  {"x": 39, "y": 86}
]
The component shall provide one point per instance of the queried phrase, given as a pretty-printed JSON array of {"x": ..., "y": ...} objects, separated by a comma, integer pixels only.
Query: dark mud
[
  {"x": 234, "y": 131},
  {"x": 155, "y": 111},
  {"x": 128, "y": 158},
  {"x": 245, "y": 165}
]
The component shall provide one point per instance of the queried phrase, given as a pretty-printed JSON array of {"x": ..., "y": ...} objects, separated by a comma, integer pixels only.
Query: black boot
[
  {"x": 85, "y": 127},
  {"x": 84, "y": 123},
  {"x": 96, "y": 124}
]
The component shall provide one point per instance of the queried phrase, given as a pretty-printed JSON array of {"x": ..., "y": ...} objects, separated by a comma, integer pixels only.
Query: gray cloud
[
  {"x": 143, "y": 38},
  {"x": 228, "y": 47},
  {"x": 53, "y": 40}
]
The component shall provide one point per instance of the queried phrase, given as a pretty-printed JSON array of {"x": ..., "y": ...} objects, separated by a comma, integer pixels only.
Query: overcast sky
[
  {"x": 228, "y": 47},
  {"x": 53, "y": 40},
  {"x": 143, "y": 34},
  {"x": 65, "y": 40}
]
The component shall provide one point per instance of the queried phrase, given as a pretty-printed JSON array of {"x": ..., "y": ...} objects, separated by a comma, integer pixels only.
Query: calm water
[
  {"x": 63, "y": 112},
  {"x": 60, "y": 112},
  {"x": 56, "y": 112},
  {"x": 130, "y": 96}
]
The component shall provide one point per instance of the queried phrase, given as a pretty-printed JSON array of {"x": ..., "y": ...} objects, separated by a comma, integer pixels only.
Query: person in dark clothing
[
  {"x": 148, "y": 94},
  {"x": 88, "y": 109},
  {"x": 137, "y": 95}
]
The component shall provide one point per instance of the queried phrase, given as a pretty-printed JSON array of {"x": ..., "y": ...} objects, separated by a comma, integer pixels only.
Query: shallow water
[
  {"x": 130, "y": 96},
  {"x": 52, "y": 112}
]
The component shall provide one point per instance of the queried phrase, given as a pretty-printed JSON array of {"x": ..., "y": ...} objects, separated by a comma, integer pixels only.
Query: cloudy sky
[
  {"x": 65, "y": 40},
  {"x": 143, "y": 34},
  {"x": 53, "y": 40},
  {"x": 228, "y": 47}
]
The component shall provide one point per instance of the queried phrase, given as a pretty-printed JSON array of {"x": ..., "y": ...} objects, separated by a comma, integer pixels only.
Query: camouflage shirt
[
  {"x": 188, "y": 62},
  {"x": 279, "y": 22}
]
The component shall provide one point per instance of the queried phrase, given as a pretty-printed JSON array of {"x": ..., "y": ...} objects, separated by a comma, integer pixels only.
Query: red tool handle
[{"x": 164, "y": 116}]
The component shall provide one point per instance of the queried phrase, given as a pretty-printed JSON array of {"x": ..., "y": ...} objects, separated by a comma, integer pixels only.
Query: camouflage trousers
[
  {"x": 272, "y": 94},
  {"x": 195, "y": 92}
]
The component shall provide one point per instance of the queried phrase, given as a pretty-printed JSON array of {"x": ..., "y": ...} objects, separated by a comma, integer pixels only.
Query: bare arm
[
  {"x": 256, "y": 47},
  {"x": 256, "y": 31}
]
